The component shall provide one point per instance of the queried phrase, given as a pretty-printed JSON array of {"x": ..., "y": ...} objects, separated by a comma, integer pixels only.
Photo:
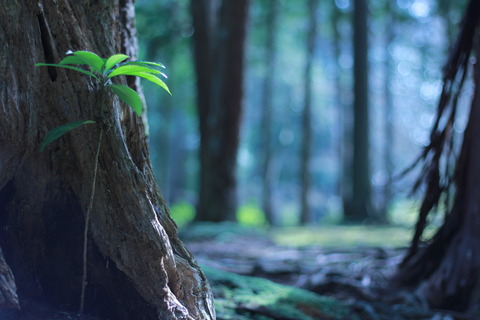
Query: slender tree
[
  {"x": 388, "y": 142},
  {"x": 306, "y": 150},
  {"x": 446, "y": 270},
  {"x": 344, "y": 117},
  {"x": 361, "y": 204},
  {"x": 267, "y": 106},
  {"x": 220, "y": 30},
  {"x": 137, "y": 267}
]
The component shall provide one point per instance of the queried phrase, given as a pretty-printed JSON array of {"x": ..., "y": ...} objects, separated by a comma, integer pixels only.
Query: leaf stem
[
  {"x": 90, "y": 206},
  {"x": 87, "y": 221}
]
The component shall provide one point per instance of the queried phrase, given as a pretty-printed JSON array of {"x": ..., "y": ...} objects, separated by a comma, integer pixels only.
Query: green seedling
[{"x": 102, "y": 71}]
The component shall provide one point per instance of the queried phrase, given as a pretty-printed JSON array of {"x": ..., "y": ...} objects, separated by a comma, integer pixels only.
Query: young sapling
[{"x": 102, "y": 71}]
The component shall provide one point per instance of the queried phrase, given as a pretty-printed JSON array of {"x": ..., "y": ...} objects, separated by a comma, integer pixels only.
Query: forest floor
[
  {"x": 325, "y": 273},
  {"x": 344, "y": 275}
]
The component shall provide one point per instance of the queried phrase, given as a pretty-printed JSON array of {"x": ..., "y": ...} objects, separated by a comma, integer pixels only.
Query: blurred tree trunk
[
  {"x": 220, "y": 30},
  {"x": 446, "y": 271},
  {"x": 361, "y": 208},
  {"x": 389, "y": 143},
  {"x": 162, "y": 136},
  {"x": 267, "y": 106},
  {"x": 165, "y": 137},
  {"x": 306, "y": 148},
  {"x": 344, "y": 116},
  {"x": 137, "y": 266},
  {"x": 168, "y": 137}
]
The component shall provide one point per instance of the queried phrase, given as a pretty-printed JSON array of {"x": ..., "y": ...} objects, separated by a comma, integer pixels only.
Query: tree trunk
[
  {"x": 446, "y": 272},
  {"x": 306, "y": 148},
  {"x": 344, "y": 118},
  {"x": 389, "y": 141},
  {"x": 8, "y": 288},
  {"x": 137, "y": 267},
  {"x": 220, "y": 29},
  {"x": 361, "y": 208},
  {"x": 267, "y": 107},
  {"x": 164, "y": 44}
]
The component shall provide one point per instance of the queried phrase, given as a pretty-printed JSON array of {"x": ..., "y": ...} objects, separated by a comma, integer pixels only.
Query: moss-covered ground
[{"x": 250, "y": 298}]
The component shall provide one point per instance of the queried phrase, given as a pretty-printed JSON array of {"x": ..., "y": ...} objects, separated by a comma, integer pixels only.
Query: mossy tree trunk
[{"x": 137, "y": 267}]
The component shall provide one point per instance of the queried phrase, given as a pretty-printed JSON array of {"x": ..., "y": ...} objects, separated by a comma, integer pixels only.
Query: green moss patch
[{"x": 241, "y": 298}]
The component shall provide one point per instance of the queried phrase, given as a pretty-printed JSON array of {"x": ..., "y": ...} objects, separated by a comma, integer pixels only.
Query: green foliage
[
  {"x": 61, "y": 130},
  {"x": 113, "y": 60},
  {"x": 250, "y": 215},
  {"x": 85, "y": 57},
  {"x": 131, "y": 69},
  {"x": 102, "y": 70},
  {"x": 153, "y": 79},
  {"x": 129, "y": 96},
  {"x": 182, "y": 213},
  {"x": 88, "y": 73}
]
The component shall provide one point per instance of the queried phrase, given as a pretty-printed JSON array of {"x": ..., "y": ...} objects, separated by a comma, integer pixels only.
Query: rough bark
[
  {"x": 137, "y": 267},
  {"x": 8, "y": 288},
  {"x": 445, "y": 271},
  {"x": 220, "y": 30}
]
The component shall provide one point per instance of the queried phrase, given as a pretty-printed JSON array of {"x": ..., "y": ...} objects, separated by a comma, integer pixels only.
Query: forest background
[{"x": 408, "y": 42}]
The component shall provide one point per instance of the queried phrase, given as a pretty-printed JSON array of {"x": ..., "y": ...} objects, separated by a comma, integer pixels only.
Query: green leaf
[
  {"x": 141, "y": 62},
  {"x": 86, "y": 57},
  {"x": 148, "y": 64},
  {"x": 41, "y": 64},
  {"x": 129, "y": 96},
  {"x": 56, "y": 133},
  {"x": 88, "y": 73},
  {"x": 113, "y": 60},
  {"x": 154, "y": 79},
  {"x": 131, "y": 70},
  {"x": 73, "y": 60}
]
